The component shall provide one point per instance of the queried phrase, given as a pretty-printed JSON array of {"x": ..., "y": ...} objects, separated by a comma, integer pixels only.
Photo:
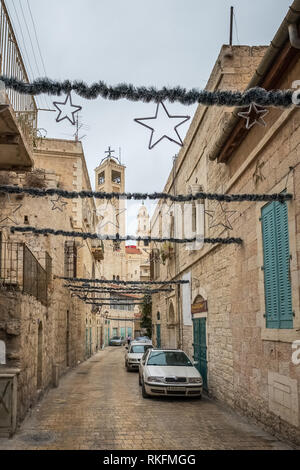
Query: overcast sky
[{"x": 153, "y": 42}]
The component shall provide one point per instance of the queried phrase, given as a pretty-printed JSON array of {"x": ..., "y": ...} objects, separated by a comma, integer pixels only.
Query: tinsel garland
[
  {"x": 35, "y": 192},
  {"x": 95, "y": 236},
  {"x": 112, "y": 301},
  {"x": 121, "y": 291},
  {"x": 260, "y": 96},
  {"x": 111, "y": 281},
  {"x": 122, "y": 319},
  {"x": 98, "y": 304}
]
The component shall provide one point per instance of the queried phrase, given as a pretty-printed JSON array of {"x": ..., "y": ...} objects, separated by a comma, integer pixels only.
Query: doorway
[
  {"x": 40, "y": 356},
  {"x": 68, "y": 340},
  {"x": 200, "y": 348},
  {"x": 158, "y": 341},
  {"x": 172, "y": 327}
]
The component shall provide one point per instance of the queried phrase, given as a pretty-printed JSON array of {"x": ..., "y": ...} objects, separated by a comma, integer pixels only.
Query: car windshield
[
  {"x": 116, "y": 337},
  {"x": 140, "y": 348},
  {"x": 169, "y": 358}
]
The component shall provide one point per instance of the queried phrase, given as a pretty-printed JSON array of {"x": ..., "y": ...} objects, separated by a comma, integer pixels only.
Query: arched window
[{"x": 158, "y": 316}]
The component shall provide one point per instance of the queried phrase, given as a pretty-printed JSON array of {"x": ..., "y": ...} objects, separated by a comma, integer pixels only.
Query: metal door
[
  {"x": 6, "y": 390},
  {"x": 158, "y": 342},
  {"x": 123, "y": 332},
  {"x": 129, "y": 331},
  {"x": 200, "y": 348}
]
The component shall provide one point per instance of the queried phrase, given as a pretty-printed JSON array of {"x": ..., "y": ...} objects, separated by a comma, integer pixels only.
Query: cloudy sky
[{"x": 156, "y": 42}]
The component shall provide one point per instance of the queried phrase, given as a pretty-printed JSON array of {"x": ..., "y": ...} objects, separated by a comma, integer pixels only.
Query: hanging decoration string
[
  {"x": 95, "y": 236},
  {"x": 112, "y": 301},
  {"x": 112, "y": 305},
  {"x": 35, "y": 192},
  {"x": 115, "y": 290},
  {"x": 260, "y": 96},
  {"x": 110, "y": 281}
]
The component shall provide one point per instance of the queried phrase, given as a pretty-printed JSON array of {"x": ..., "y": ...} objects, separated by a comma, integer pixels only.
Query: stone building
[
  {"x": 122, "y": 262},
  {"x": 239, "y": 314},
  {"x": 44, "y": 328}
]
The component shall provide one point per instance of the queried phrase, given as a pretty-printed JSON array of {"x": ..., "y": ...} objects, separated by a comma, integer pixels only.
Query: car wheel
[{"x": 144, "y": 393}]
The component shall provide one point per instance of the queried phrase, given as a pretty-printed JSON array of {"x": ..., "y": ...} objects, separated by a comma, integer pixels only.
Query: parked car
[
  {"x": 134, "y": 353},
  {"x": 142, "y": 339},
  {"x": 117, "y": 341},
  {"x": 169, "y": 372}
]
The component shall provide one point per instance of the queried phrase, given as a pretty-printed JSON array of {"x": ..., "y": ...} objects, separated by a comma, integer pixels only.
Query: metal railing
[
  {"x": 20, "y": 270},
  {"x": 12, "y": 65},
  {"x": 34, "y": 277}
]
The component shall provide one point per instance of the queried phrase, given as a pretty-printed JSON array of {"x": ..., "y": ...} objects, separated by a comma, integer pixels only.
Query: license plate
[{"x": 176, "y": 389}]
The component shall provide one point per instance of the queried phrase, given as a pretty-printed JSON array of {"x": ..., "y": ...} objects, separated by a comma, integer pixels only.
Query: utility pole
[{"x": 231, "y": 25}]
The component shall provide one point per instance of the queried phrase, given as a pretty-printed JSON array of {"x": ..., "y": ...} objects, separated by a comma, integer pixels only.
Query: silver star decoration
[
  {"x": 215, "y": 216},
  {"x": 102, "y": 214},
  {"x": 58, "y": 204},
  {"x": 14, "y": 207},
  {"x": 162, "y": 114},
  {"x": 67, "y": 114},
  {"x": 254, "y": 115}
]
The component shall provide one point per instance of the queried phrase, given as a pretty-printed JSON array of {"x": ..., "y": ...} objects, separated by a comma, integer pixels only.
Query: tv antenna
[{"x": 79, "y": 126}]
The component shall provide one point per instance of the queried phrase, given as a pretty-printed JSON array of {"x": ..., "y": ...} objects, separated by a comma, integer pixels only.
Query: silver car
[
  {"x": 169, "y": 372},
  {"x": 117, "y": 341},
  {"x": 134, "y": 353}
]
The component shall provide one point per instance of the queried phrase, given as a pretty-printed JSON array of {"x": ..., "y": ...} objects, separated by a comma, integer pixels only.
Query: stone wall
[
  {"x": 63, "y": 321},
  {"x": 249, "y": 366}
]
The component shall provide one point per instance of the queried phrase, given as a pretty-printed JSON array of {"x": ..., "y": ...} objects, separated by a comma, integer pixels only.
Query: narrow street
[{"x": 99, "y": 406}]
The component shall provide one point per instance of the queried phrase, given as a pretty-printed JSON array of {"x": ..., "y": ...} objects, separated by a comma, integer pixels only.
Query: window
[
  {"x": 154, "y": 264},
  {"x": 116, "y": 177},
  {"x": 278, "y": 295},
  {"x": 140, "y": 348},
  {"x": 168, "y": 358},
  {"x": 70, "y": 259},
  {"x": 101, "y": 178}
]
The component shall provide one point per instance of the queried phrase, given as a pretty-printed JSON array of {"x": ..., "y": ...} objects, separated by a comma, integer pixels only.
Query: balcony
[
  {"x": 18, "y": 113},
  {"x": 21, "y": 271}
]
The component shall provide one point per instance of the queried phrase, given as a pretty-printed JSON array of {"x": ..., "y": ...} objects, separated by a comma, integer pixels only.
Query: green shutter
[
  {"x": 283, "y": 250},
  {"x": 278, "y": 298}
]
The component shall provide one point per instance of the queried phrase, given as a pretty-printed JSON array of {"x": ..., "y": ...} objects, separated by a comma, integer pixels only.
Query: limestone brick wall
[
  {"x": 249, "y": 366},
  {"x": 63, "y": 321}
]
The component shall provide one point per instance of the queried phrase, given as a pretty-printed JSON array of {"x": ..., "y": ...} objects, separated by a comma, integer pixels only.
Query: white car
[
  {"x": 169, "y": 372},
  {"x": 134, "y": 353}
]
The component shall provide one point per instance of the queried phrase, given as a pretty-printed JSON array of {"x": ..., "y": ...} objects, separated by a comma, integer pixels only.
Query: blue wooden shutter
[
  {"x": 283, "y": 256},
  {"x": 278, "y": 298}
]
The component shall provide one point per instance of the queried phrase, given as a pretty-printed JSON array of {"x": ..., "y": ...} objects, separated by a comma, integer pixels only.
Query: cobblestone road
[{"x": 99, "y": 406}]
